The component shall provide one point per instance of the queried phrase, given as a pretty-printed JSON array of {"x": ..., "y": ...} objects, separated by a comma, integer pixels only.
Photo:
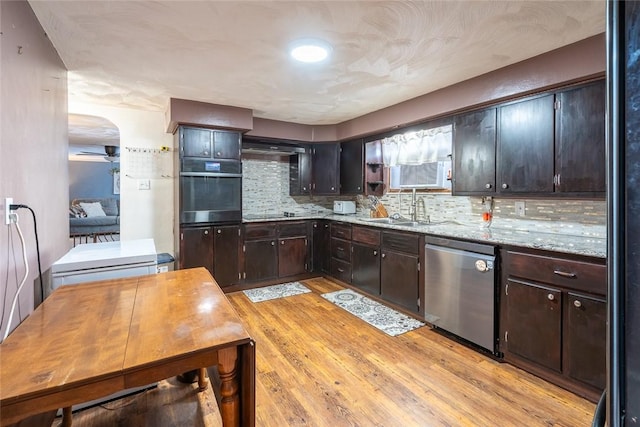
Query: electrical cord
[
  {"x": 24, "y": 279},
  {"x": 35, "y": 231}
]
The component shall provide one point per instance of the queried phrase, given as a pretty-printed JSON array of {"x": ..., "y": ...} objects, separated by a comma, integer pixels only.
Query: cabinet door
[
  {"x": 585, "y": 339},
  {"x": 226, "y": 145},
  {"x": 534, "y": 323},
  {"x": 196, "y": 248},
  {"x": 580, "y": 140},
  {"x": 300, "y": 174},
  {"x": 325, "y": 169},
  {"x": 525, "y": 146},
  {"x": 260, "y": 260},
  {"x": 225, "y": 258},
  {"x": 399, "y": 279},
  {"x": 351, "y": 167},
  {"x": 365, "y": 268},
  {"x": 474, "y": 153},
  {"x": 195, "y": 142},
  {"x": 292, "y": 256},
  {"x": 321, "y": 247}
]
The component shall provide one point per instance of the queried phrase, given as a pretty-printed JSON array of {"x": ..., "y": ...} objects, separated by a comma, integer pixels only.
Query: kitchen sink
[{"x": 382, "y": 220}]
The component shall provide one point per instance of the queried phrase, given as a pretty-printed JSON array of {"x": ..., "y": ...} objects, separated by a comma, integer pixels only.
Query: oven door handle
[{"x": 212, "y": 175}]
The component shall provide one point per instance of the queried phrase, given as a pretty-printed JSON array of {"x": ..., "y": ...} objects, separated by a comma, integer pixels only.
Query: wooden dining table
[{"x": 90, "y": 340}]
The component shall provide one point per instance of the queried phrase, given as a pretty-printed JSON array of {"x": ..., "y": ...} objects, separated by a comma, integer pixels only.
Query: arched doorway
[{"x": 94, "y": 179}]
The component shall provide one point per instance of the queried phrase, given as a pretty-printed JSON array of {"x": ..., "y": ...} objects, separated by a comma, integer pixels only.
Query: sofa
[{"x": 94, "y": 216}]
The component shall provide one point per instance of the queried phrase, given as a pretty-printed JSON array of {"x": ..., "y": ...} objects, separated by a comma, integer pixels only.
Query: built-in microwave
[{"x": 433, "y": 175}]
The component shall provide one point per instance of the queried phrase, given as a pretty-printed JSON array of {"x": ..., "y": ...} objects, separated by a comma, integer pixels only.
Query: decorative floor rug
[
  {"x": 379, "y": 315},
  {"x": 276, "y": 291}
]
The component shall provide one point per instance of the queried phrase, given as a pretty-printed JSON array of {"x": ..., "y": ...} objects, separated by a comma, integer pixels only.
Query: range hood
[{"x": 272, "y": 148}]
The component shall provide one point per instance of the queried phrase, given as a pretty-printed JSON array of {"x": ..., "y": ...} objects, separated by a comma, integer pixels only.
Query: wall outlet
[
  {"x": 144, "y": 184},
  {"x": 8, "y": 201},
  {"x": 520, "y": 208}
]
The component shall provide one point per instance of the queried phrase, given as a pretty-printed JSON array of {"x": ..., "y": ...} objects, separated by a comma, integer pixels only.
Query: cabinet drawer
[
  {"x": 341, "y": 249},
  {"x": 365, "y": 235},
  {"x": 341, "y": 231},
  {"x": 293, "y": 229},
  {"x": 341, "y": 270},
  {"x": 259, "y": 231},
  {"x": 584, "y": 276},
  {"x": 403, "y": 242}
]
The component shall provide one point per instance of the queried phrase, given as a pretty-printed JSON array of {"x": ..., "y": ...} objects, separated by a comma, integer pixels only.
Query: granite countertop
[{"x": 573, "y": 244}]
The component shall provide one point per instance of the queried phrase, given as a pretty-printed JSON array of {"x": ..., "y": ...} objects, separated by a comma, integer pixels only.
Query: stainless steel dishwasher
[{"x": 460, "y": 289}]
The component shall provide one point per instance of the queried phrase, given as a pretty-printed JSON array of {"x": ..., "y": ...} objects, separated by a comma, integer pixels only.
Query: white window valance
[{"x": 419, "y": 147}]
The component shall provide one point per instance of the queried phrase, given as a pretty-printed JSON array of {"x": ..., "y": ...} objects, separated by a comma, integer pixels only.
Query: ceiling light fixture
[{"x": 309, "y": 50}]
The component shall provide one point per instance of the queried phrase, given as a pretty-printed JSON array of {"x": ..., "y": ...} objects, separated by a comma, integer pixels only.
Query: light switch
[{"x": 144, "y": 184}]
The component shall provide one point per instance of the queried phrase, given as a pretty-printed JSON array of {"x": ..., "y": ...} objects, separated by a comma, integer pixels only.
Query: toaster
[{"x": 344, "y": 207}]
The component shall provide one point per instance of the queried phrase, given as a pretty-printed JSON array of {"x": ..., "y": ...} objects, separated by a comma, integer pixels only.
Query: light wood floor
[{"x": 318, "y": 365}]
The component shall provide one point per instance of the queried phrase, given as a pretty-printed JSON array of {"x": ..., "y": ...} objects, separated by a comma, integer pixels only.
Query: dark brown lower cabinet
[
  {"x": 585, "y": 334},
  {"x": 292, "y": 256},
  {"x": 260, "y": 260},
  {"x": 553, "y": 318},
  {"x": 321, "y": 238},
  {"x": 196, "y": 248},
  {"x": 226, "y": 243},
  {"x": 399, "y": 279},
  {"x": 365, "y": 267},
  {"x": 535, "y": 323}
]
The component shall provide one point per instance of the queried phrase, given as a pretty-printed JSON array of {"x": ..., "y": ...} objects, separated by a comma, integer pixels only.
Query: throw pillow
[
  {"x": 92, "y": 209},
  {"x": 77, "y": 211}
]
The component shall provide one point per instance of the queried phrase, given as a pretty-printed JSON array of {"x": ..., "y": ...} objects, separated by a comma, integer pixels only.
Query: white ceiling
[{"x": 140, "y": 53}]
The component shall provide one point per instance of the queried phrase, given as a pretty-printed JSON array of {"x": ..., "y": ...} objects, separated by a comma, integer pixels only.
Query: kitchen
[{"x": 473, "y": 209}]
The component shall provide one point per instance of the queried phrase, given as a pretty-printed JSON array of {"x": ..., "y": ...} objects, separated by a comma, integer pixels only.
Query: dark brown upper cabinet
[
  {"x": 580, "y": 140},
  {"x": 352, "y": 167},
  {"x": 474, "y": 156},
  {"x": 325, "y": 169},
  {"x": 300, "y": 174},
  {"x": 209, "y": 143},
  {"x": 552, "y": 144},
  {"x": 525, "y": 146}
]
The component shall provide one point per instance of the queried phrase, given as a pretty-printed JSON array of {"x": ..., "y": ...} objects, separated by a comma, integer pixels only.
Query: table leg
[
  {"x": 66, "y": 417},
  {"x": 202, "y": 379},
  {"x": 227, "y": 368}
]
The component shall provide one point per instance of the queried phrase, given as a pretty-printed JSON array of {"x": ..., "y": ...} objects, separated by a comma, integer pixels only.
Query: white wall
[
  {"x": 144, "y": 213},
  {"x": 33, "y": 154}
]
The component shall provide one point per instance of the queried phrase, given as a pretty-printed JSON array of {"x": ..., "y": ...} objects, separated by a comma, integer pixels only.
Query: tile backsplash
[{"x": 266, "y": 192}]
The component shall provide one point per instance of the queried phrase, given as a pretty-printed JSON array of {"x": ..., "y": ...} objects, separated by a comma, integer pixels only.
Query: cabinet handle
[
  {"x": 340, "y": 248},
  {"x": 206, "y": 232},
  {"x": 219, "y": 154},
  {"x": 487, "y": 186},
  {"x": 326, "y": 226},
  {"x": 375, "y": 253},
  {"x": 282, "y": 242},
  {"x": 555, "y": 179},
  {"x": 505, "y": 186},
  {"x": 315, "y": 225},
  {"x": 558, "y": 179},
  {"x": 333, "y": 188},
  {"x": 273, "y": 243},
  {"x": 219, "y": 231},
  {"x": 384, "y": 255},
  {"x": 304, "y": 188},
  {"x": 577, "y": 303},
  {"x": 565, "y": 274},
  {"x": 551, "y": 297},
  {"x": 340, "y": 270}
]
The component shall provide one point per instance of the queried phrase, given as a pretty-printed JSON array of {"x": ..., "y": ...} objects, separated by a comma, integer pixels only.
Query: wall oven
[{"x": 210, "y": 191}]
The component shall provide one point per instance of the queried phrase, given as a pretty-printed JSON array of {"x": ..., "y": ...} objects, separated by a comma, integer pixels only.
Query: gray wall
[
  {"x": 33, "y": 151},
  {"x": 91, "y": 180}
]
